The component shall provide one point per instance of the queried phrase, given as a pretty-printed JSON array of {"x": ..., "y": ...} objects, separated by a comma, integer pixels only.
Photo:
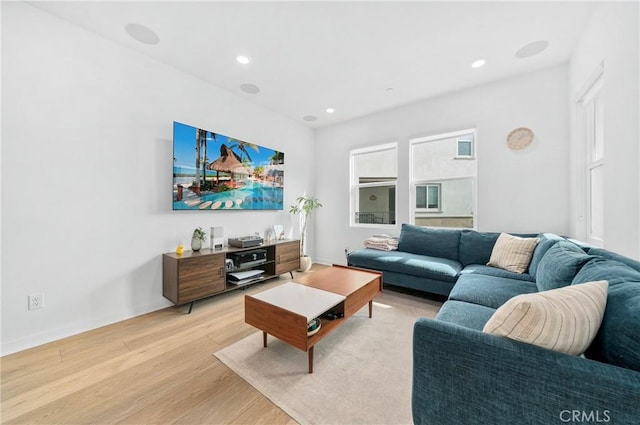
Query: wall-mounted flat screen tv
[{"x": 212, "y": 171}]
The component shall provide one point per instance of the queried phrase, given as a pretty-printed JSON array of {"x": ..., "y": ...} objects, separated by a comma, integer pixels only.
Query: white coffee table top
[{"x": 300, "y": 299}]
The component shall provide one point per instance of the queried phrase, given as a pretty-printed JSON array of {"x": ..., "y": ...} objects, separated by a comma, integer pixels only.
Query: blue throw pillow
[
  {"x": 476, "y": 247},
  {"x": 617, "y": 340},
  {"x": 560, "y": 265},
  {"x": 441, "y": 243},
  {"x": 543, "y": 246}
]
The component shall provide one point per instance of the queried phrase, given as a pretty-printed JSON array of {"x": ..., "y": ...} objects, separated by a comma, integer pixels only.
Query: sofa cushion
[
  {"x": 441, "y": 243},
  {"x": 614, "y": 256},
  {"x": 564, "y": 319},
  {"x": 560, "y": 265},
  {"x": 512, "y": 253},
  {"x": 493, "y": 271},
  {"x": 599, "y": 268},
  {"x": 489, "y": 291},
  {"x": 618, "y": 340},
  {"x": 406, "y": 263},
  {"x": 547, "y": 240},
  {"x": 470, "y": 316},
  {"x": 476, "y": 247}
]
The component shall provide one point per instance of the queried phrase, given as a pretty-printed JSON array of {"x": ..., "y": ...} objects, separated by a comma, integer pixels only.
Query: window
[
  {"x": 443, "y": 189},
  {"x": 465, "y": 147},
  {"x": 591, "y": 111},
  {"x": 374, "y": 174},
  {"x": 428, "y": 197}
]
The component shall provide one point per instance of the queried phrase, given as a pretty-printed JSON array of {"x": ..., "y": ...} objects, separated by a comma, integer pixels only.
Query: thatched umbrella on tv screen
[
  {"x": 275, "y": 171},
  {"x": 228, "y": 162}
]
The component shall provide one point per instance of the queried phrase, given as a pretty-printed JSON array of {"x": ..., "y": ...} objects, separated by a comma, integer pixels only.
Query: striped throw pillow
[
  {"x": 512, "y": 253},
  {"x": 564, "y": 319}
]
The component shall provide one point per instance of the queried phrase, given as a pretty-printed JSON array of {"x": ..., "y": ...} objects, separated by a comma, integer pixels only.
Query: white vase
[
  {"x": 305, "y": 263},
  {"x": 196, "y": 244}
]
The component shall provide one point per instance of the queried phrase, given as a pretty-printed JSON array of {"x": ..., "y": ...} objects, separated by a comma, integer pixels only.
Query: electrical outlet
[{"x": 36, "y": 301}]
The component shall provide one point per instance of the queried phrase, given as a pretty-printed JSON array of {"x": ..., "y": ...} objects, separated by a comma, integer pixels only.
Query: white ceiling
[{"x": 308, "y": 56}]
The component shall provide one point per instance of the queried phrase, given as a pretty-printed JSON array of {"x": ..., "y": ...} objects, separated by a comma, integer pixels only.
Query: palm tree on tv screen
[
  {"x": 277, "y": 158},
  {"x": 205, "y": 161},
  {"x": 197, "y": 188},
  {"x": 242, "y": 147}
]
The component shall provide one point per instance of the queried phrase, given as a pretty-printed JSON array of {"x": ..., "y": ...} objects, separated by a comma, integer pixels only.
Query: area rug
[{"x": 361, "y": 373}]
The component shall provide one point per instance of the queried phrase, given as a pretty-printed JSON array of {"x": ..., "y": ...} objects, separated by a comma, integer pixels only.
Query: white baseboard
[{"x": 50, "y": 335}]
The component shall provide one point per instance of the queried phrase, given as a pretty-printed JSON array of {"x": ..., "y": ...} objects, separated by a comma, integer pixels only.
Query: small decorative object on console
[
  {"x": 217, "y": 237},
  {"x": 198, "y": 237},
  {"x": 278, "y": 231}
]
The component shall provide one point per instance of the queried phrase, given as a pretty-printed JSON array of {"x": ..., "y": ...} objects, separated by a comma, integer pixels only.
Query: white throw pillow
[
  {"x": 564, "y": 319},
  {"x": 512, "y": 253}
]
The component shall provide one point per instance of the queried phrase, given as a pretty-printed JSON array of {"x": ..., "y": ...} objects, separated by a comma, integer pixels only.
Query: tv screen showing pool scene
[{"x": 212, "y": 171}]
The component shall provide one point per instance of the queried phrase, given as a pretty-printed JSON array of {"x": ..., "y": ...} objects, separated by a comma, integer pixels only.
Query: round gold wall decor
[{"x": 519, "y": 138}]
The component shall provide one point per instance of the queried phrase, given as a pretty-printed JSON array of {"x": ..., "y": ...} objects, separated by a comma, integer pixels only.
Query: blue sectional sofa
[{"x": 462, "y": 375}]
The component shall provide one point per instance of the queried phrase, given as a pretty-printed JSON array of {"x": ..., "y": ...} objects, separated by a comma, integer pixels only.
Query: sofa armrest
[{"x": 463, "y": 376}]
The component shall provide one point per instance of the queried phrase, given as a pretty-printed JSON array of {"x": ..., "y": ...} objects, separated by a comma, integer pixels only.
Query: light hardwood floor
[{"x": 157, "y": 368}]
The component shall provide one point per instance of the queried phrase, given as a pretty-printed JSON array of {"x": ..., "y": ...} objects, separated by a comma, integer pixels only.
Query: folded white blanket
[{"x": 382, "y": 242}]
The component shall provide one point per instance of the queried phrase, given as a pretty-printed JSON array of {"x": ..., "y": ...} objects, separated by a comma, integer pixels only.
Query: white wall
[
  {"x": 611, "y": 39},
  {"x": 87, "y": 174},
  {"x": 518, "y": 191}
]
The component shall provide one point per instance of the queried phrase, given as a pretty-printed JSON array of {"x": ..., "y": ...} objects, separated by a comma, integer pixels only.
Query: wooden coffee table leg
[
  {"x": 311, "y": 360},
  {"x": 264, "y": 339},
  {"x": 370, "y": 309}
]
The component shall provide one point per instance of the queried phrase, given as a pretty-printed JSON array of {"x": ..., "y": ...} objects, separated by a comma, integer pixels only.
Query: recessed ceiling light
[
  {"x": 310, "y": 118},
  {"x": 250, "y": 88},
  {"x": 142, "y": 34},
  {"x": 478, "y": 63},
  {"x": 389, "y": 89},
  {"x": 532, "y": 49},
  {"x": 330, "y": 110},
  {"x": 243, "y": 60}
]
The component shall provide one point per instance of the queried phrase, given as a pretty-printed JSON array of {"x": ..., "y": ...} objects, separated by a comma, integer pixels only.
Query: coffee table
[{"x": 284, "y": 311}]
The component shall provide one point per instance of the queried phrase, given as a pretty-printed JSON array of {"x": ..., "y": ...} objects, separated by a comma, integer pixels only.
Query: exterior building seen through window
[
  {"x": 374, "y": 174},
  {"x": 443, "y": 179}
]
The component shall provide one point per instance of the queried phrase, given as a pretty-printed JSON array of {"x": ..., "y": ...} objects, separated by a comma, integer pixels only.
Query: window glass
[
  {"x": 465, "y": 148},
  {"x": 444, "y": 187},
  {"x": 433, "y": 197},
  {"x": 597, "y": 206},
  {"x": 428, "y": 196},
  {"x": 374, "y": 176}
]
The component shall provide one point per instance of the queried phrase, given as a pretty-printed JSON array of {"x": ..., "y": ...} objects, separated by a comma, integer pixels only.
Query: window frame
[
  {"x": 591, "y": 113},
  {"x": 471, "y": 143},
  {"x": 427, "y": 208},
  {"x": 354, "y": 186}
]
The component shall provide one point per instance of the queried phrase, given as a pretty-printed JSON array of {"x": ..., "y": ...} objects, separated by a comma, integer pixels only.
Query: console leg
[
  {"x": 311, "y": 360},
  {"x": 264, "y": 339},
  {"x": 370, "y": 309},
  {"x": 190, "y": 307},
  {"x": 291, "y": 273}
]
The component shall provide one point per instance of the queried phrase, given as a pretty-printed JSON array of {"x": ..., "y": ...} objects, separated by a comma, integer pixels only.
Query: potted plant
[
  {"x": 304, "y": 208},
  {"x": 198, "y": 237}
]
